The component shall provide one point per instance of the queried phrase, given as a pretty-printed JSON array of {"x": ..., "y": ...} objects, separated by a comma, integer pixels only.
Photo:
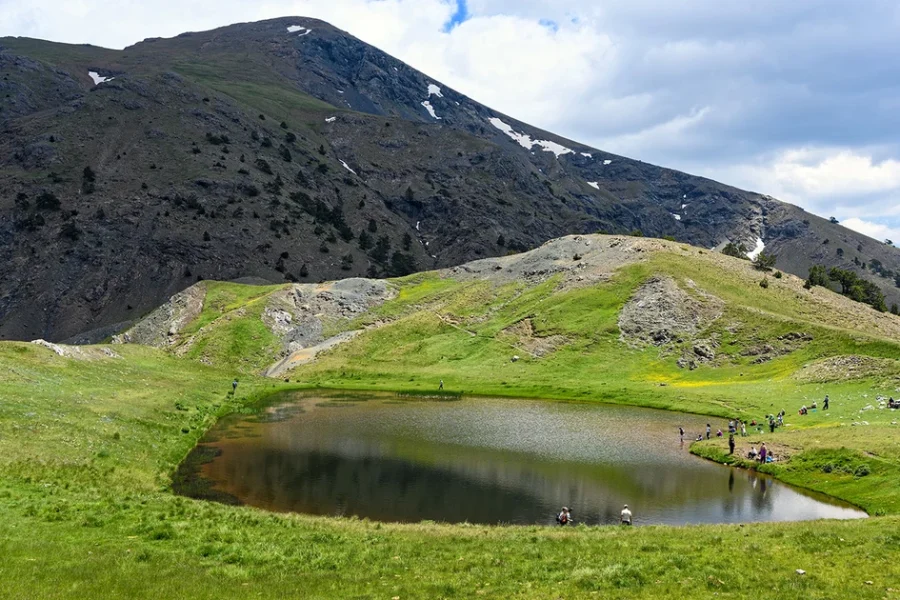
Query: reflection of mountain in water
[{"x": 389, "y": 464}]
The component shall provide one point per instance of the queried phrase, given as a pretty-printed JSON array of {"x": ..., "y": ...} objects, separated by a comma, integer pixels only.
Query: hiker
[
  {"x": 441, "y": 385},
  {"x": 772, "y": 424},
  {"x": 825, "y": 403},
  {"x": 626, "y": 516},
  {"x": 234, "y": 386},
  {"x": 708, "y": 430},
  {"x": 743, "y": 429},
  {"x": 681, "y": 433},
  {"x": 564, "y": 516},
  {"x": 730, "y": 443},
  {"x": 780, "y": 419},
  {"x": 763, "y": 451}
]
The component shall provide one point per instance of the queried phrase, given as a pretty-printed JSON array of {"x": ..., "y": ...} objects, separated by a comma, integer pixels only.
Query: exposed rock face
[
  {"x": 660, "y": 312},
  {"x": 78, "y": 352},
  {"x": 299, "y": 314},
  {"x": 161, "y": 327},
  {"x": 522, "y": 335}
]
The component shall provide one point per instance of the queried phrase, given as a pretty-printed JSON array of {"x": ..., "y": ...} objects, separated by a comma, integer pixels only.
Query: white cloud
[
  {"x": 874, "y": 230},
  {"x": 840, "y": 182},
  {"x": 828, "y": 173}
]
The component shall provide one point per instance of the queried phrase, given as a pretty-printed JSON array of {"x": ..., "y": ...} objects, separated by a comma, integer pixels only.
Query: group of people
[
  {"x": 814, "y": 406},
  {"x": 565, "y": 516},
  {"x": 762, "y": 455}
]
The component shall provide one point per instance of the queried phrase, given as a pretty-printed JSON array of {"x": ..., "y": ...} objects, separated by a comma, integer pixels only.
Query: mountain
[{"x": 288, "y": 150}]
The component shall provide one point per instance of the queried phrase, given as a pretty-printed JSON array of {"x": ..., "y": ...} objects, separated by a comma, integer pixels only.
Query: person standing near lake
[
  {"x": 441, "y": 385},
  {"x": 825, "y": 403},
  {"x": 743, "y": 429},
  {"x": 708, "y": 430},
  {"x": 681, "y": 433},
  {"x": 626, "y": 516},
  {"x": 234, "y": 386},
  {"x": 730, "y": 443},
  {"x": 763, "y": 451}
]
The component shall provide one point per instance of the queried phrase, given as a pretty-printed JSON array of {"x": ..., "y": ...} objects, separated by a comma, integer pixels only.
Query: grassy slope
[{"x": 87, "y": 449}]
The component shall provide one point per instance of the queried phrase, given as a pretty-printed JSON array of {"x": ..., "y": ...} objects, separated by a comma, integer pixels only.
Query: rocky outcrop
[
  {"x": 660, "y": 313},
  {"x": 161, "y": 327}
]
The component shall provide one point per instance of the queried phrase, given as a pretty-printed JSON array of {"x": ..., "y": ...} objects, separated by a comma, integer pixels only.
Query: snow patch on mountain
[
  {"x": 299, "y": 28},
  {"x": 346, "y": 166},
  {"x": 430, "y": 109},
  {"x": 587, "y": 155},
  {"x": 607, "y": 162},
  {"x": 760, "y": 246},
  {"x": 331, "y": 119},
  {"x": 677, "y": 217},
  {"x": 97, "y": 78},
  {"x": 594, "y": 184},
  {"x": 434, "y": 90},
  {"x": 526, "y": 142}
]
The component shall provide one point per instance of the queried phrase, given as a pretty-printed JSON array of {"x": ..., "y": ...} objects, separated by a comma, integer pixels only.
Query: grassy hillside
[{"x": 89, "y": 442}]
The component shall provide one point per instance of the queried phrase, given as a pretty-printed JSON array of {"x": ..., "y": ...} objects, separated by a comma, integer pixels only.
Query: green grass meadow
[{"x": 88, "y": 448}]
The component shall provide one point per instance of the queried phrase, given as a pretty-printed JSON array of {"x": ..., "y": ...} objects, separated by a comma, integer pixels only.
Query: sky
[{"x": 798, "y": 99}]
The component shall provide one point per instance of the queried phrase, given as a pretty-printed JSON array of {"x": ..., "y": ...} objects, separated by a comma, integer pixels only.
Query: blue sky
[
  {"x": 799, "y": 99},
  {"x": 460, "y": 15}
]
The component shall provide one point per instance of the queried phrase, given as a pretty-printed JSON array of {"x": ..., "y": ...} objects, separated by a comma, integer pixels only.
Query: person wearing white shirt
[{"x": 626, "y": 516}]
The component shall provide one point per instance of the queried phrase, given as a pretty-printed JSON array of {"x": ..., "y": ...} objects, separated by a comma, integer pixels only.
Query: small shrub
[
  {"x": 764, "y": 283},
  {"x": 263, "y": 165},
  {"x": 861, "y": 471},
  {"x": 764, "y": 261},
  {"x": 47, "y": 200},
  {"x": 778, "y": 275}
]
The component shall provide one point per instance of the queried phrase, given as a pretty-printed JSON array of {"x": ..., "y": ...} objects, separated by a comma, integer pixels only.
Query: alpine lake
[{"x": 391, "y": 458}]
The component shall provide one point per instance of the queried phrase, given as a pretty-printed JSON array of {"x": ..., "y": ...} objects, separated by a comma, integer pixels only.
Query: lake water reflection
[{"x": 486, "y": 461}]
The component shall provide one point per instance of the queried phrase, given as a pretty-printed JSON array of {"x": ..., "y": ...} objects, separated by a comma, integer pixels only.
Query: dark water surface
[{"x": 483, "y": 461}]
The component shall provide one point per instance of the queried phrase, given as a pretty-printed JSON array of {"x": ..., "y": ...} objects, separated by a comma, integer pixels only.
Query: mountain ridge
[{"x": 165, "y": 136}]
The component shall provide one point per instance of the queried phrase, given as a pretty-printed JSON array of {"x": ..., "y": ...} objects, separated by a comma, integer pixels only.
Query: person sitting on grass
[
  {"x": 564, "y": 516},
  {"x": 752, "y": 453}
]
